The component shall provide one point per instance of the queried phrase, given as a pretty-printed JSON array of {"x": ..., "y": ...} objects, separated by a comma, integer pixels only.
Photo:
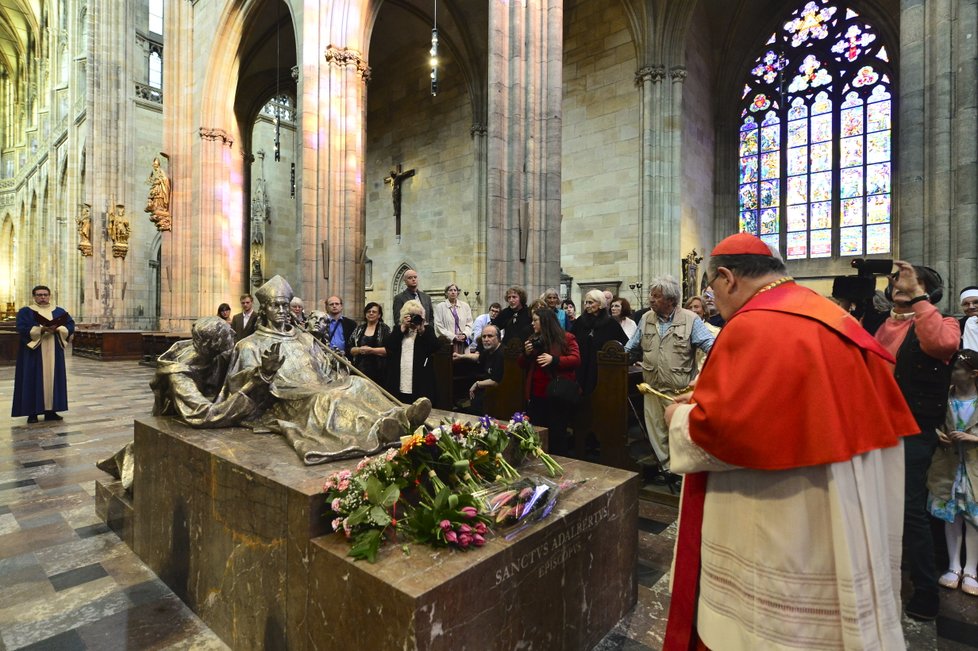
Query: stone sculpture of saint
[
  {"x": 324, "y": 411},
  {"x": 119, "y": 231},
  {"x": 189, "y": 385},
  {"x": 85, "y": 230},
  {"x": 158, "y": 202}
]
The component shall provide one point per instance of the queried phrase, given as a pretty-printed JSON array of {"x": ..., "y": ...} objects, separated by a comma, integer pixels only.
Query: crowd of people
[{"x": 761, "y": 395}]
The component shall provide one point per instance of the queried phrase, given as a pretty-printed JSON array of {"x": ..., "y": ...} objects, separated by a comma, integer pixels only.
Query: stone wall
[
  {"x": 407, "y": 126},
  {"x": 601, "y": 146}
]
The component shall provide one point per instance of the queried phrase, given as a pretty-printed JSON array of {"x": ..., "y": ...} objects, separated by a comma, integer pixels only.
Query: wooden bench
[{"x": 108, "y": 345}]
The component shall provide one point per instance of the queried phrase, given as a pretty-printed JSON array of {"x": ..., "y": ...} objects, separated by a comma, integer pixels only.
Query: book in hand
[{"x": 51, "y": 323}]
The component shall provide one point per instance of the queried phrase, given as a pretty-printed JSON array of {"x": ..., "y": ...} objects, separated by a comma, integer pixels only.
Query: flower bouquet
[{"x": 433, "y": 488}]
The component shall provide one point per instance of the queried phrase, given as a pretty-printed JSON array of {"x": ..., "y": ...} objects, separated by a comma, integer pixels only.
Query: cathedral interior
[{"x": 159, "y": 157}]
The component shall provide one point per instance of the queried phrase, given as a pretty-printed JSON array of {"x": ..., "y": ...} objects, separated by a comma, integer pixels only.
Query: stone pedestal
[{"x": 232, "y": 522}]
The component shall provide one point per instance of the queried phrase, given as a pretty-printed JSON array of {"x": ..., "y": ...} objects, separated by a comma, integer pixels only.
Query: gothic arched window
[{"x": 815, "y": 137}]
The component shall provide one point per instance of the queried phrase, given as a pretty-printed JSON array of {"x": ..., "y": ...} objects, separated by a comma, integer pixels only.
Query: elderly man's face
[
  {"x": 660, "y": 304},
  {"x": 490, "y": 338},
  {"x": 411, "y": 280},
  {"x": 277, "y": 312}
]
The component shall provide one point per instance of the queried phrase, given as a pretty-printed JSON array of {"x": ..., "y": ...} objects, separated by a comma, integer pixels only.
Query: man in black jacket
[
  {"x": 412, "y": 292},
  {"x": 338, "y": 327}
]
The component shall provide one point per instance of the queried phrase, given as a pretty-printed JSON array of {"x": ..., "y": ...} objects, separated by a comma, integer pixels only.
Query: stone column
[
  {"x": 109, "y": 154},
  {"x": 937, "y": 214},
  {"x": 649, "y": 81},
  {"x": 523, "y": 158},
  {"x": 334, "y": 204},
  {"x": 480, "y": 151}
]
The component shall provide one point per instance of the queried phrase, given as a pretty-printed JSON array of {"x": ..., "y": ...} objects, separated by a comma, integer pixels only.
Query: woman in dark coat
[
  {"x": 593, "y": 329},
  {"x": 366, "y": 344},
  {"x": 410, "y": 346},
  {"x": 548, "y": 352}
]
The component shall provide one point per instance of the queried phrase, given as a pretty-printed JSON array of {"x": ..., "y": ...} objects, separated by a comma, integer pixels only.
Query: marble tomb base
[{"x": 233, "y": 522}]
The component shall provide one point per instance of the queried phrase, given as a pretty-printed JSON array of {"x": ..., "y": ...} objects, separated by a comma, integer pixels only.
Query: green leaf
[
  {"x": 365, "y": 545},
  {"x": 375, "y": 490},
  {"x": 453, "y": 501},
  {"x": 379, "y": 516},
  {"x": 389, "y": 496},
  {"x": 358, "y": 516}
]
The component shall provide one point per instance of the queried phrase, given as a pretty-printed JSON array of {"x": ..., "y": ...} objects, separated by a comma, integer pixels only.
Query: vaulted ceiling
[{"x": 17, "y": 19}]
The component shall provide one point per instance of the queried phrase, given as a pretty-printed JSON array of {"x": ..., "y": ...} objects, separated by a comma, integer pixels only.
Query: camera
[
  {"x": 862, "y": 286},
  {"x": 537, "y": 344},
  {"x": 416, "y": 320}
]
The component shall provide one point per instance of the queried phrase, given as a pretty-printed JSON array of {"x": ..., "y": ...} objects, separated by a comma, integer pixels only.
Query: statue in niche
[
  {"x": 158, "y": 202},
  {"x": 119, "y": 231},
  {"x": 690, "y": 266},
  {"x": 85, "y": 230}
]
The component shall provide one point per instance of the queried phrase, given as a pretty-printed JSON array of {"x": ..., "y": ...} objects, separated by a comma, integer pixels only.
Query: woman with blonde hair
[
  {"x": 593, "y": 329},
  {"x": 410, "y": 372}
]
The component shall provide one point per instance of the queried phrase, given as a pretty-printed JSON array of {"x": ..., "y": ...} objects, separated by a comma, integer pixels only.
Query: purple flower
[
  {"x": 485, "y": 422},
  {"x": 478, "y": 540},
  {"x": 464, "y": 540},
  {"x": 450, "y": 536},
  {"x": 469, "y": 511},
  {"x": 445, "y": 525},
  {"x": 519, "y": 417}
]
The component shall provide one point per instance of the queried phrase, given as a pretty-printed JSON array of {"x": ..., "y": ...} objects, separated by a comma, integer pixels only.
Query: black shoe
[
  {"x": 50, "y": 415},
  {"x": 32, "y": 419},
  {"x": 923, "y": 606}
]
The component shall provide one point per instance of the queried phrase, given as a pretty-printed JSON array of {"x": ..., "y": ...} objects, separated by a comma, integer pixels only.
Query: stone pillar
[
  {"x": 661, "y": 178},
  {"x": 480, "y": 149},
  {"x": 523, "y": 157},
  {"x": 334, "y": 204},
  {"x": 937, "y": 215},
  {"x": 109, "y": 153}
]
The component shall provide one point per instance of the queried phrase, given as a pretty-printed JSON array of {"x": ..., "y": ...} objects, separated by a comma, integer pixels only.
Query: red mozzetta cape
[
  {"x": 791, "y": 381},
  {"x": 794, "y": 381}
]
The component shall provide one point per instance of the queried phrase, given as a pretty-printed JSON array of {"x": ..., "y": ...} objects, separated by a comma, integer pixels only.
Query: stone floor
[{"x": 67, "y": 582}]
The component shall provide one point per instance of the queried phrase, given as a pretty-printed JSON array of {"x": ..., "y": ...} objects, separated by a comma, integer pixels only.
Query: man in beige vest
[{"x": 665, "y": 343}]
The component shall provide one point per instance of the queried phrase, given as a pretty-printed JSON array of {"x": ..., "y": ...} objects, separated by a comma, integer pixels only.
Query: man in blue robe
[{"x": 40, "y": 385}]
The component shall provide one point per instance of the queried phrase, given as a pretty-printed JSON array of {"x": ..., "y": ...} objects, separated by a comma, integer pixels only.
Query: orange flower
[{"x": 408, "y": 442}]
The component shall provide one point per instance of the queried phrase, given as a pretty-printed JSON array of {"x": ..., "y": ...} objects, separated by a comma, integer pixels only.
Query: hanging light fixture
[
  {"x": 276, "y": 105},
  {"x": 434, "y": 52}
]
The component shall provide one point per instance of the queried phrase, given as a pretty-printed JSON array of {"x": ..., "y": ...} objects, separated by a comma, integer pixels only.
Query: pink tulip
[
  {"x": 464, "y": 540},
  {"x": 464, "y": 528},
  {"x": 450, "y": 536},
  {"x": 469, "y": 511},
  {"x": 478, "y": 540},
  {"x": 480, "y": 528},
  {"x": 445, "y": 525}
]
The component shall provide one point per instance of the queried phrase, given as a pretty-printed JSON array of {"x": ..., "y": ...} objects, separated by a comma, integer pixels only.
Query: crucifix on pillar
[{"x": 396, "y": 178}]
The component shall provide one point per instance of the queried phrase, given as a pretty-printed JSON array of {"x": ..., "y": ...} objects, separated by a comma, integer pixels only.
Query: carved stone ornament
[
  {"x": 84, "y": 222},
  {"x": 158, "y": 201},
  {"x": 478, "y": 130},
  {"x": 216, "y": 134},
  {"x": 119, "y": 231},
  {"x": 655, "y": 74},
  {"x": 678, "y": 74},
  {"x": 346, "y": 57}
]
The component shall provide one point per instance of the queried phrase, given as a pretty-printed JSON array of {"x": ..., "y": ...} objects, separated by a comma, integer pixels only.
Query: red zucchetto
[{"x": 742, "y": 244}]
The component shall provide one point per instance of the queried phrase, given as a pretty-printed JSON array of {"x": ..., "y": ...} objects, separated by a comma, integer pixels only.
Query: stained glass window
[{"x": 816, "y": 137}]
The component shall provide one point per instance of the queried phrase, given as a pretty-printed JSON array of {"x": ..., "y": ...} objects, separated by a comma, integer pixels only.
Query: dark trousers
[
  {"x": 554, "y": 416},
  {"x": 918, "y": 541}
]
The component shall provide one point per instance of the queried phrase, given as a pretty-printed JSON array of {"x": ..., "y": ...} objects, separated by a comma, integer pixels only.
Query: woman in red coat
[{"x": 548, "y": 352}]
